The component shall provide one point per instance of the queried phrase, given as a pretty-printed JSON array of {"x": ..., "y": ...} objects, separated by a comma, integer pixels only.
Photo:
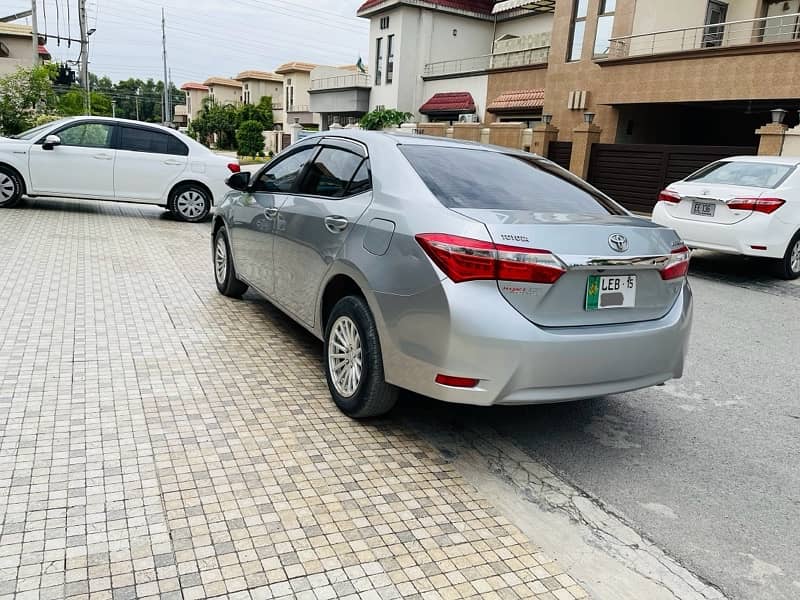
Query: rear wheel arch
[{"x": 338, "y": 287}]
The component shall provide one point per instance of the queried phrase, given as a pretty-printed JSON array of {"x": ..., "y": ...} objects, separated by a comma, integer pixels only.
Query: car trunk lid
[{"x": 709, "y": 203}]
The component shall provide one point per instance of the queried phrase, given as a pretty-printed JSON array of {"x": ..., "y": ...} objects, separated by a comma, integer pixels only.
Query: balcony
[
  {"x": 356, "y": 80},
  {"x": 751, "y": 32},
  {"x": 488, "y": 62}
]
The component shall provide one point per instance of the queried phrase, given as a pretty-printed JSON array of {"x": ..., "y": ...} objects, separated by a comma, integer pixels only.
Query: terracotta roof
[
  {"x": 517, "y": 100},
  {"x": 191, "y": 85},
  {"x": 222, "y": 81},
  {"x": 262, "y": 75},
  {"x": 449, "y": 102},
  {"x": 294, "y": 66},
  {"x": 483, "y": 7}
]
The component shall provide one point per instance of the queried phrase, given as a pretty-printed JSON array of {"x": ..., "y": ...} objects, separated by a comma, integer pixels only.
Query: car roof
[
  {"x": 118, "y": 121},
  {"x": 409, "y": 139},
  {"x": 775, "y": 160}
]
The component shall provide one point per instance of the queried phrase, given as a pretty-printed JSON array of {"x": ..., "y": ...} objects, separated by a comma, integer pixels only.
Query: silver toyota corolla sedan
[{"x": 463, "y": 272}]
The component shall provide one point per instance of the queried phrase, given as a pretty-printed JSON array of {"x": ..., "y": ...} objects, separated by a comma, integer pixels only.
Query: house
[
  {"x": 257, "y": 84},
  {"x": 339, "y": 94},
  {"x": 195, "y": 94},
  {"x": 224, "y": 90},
  {"x": 16, "y": 47},
  {"x": 296, "y": 99}
]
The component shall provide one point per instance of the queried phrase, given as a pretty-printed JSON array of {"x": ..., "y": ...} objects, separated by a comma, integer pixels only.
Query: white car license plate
[
  {"x": 703, "y": 209},
  {"x": 614, "y": 291}
]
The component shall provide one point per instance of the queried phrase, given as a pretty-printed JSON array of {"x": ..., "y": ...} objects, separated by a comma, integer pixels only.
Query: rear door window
[
  {"x": 330, "y": 173},
  {"x": 467, "y": 178},
  {"x": 135, "y": 139},
  {"x": 745, "y": 174}
]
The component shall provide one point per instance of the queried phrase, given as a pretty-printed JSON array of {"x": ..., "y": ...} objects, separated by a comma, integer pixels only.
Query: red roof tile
[
  {"x": 449, "y": 102},
  {"x": 517, "y": 100},
  {"x": 475, "y": 6},
  {"x": 191, "y": 85}
]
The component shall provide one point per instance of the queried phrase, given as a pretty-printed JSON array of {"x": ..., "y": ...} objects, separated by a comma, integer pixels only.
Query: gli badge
[{"x": 618, "y": 242}]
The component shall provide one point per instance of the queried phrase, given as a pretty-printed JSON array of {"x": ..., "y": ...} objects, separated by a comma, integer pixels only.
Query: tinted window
[
  {"x": 464, "y": 178},
  {"x": 282, "y": 176},
  {"x": 749, "y": 174},
  {"x": 361, "y": 182},
  {"x": 89, "y": 135},
  {"x": 149, "y": 140},
  {"x": 330, "y": 173}
]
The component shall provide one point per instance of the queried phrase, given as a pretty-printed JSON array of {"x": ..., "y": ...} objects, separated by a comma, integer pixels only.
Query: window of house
[
  {"x": 390, "y": 59},
  {"x": 384, "y": 22},
  {"x": 378, "y": 61},
  {"x": 578, "y": 30},
  {"x": 605, "y": 27},
  {"x": 716, "y": 13}
]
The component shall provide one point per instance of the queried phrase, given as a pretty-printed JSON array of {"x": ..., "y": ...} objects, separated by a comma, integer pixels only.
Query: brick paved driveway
[{"x": 160, "y": 441}]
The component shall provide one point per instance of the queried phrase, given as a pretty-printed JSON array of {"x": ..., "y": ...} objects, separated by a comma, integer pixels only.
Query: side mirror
[
  {"x": 50, "y": 142},
  {"x": 239, "y": 181}
]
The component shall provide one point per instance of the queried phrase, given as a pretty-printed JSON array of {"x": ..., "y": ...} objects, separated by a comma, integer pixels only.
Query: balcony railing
[
  {"x": 341, "y": 81},
  {"x": 500, "y": 60},
  {"x": 783, "y": 28}
]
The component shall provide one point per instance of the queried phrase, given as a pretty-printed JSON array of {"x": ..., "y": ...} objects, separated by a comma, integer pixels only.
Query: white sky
[{"x": 205, "y": 37}]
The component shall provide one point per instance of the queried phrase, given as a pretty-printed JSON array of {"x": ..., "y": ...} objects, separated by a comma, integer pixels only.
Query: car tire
[
  {"x": 190, "y": 203},
  {"x": 11, "y": 188},
  {"x": 224, "y": 271},
  {"x": 353, "y": 361},
  {"x": 788, "y": 267}
]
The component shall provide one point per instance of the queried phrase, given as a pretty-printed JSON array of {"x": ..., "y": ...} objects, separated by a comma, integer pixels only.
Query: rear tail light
[
  {"x": 762, "y": 205},
  {"x": 464, "y": 259},
  {"x": 678, "y": 265},
  {"x": 669, "y": 196},
  {"x": 234, "y": 167},
  {"x": 459, "y": 382}
]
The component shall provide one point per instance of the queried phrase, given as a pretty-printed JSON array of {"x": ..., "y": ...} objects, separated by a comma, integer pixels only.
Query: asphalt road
[{"x": 706, "y": 467}]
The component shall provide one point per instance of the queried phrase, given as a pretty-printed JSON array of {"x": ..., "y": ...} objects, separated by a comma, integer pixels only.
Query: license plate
[
  {"x": 703, "y": 209},
  {"x": 610, "y": 292}
]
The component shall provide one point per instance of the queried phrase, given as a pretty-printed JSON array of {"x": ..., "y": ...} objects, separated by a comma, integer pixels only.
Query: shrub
[
  {"x": 250, "y": 138},
  {"x": 382, "y": 118}
]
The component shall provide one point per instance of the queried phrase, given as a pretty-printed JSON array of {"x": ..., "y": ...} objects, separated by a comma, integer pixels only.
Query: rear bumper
[
  {"x": 739, "y": 238},
  {"x": 478, "y": 335}
]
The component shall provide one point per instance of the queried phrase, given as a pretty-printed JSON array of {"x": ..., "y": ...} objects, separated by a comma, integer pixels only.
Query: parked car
[
  {"x": 462, "y": 272},
  {"x": 113, "y": 159},
  {"x": 747, "y": 205}
]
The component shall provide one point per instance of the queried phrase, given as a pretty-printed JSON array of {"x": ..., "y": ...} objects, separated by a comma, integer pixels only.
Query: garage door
[{"x": 634, "y": 174}]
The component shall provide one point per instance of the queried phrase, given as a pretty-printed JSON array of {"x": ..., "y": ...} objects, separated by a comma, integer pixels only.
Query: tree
[
  {"x": 216, "y": 123},
  {"x": 73, "y": 103},
  {"x": 24, "y": 95},
  {"x": 250, "y": 138},
  {"x": 384, "y": 117},
  {"x": 261, "y": 112}
]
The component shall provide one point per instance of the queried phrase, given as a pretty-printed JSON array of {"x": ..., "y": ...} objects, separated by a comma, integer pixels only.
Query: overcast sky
[{"x": 205, "y": 37}]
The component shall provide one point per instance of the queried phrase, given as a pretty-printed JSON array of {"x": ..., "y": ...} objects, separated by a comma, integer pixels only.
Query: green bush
[
  {"x": 250, "y": 138},
  {"x": 382, "y": 118}
]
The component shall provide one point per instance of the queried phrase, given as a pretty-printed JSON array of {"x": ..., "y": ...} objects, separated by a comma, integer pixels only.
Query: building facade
[
  {"x": 195, "y": 94},
  {"x": 16, "y": 47},
  {"x": 224, "y": 90},
  {"x": 296, "y": 99},
  {"x": 259, "y": 84}
]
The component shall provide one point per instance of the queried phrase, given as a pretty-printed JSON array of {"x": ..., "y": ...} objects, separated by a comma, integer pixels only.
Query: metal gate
[
  {"x": 560, "y": 153},
  {"x": 634, "y": 174}
]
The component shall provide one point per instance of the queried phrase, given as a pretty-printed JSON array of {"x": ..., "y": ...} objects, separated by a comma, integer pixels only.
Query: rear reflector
[
  {"x": 678, "y": 266},
  {"x": 758, "y": 247},
  {"x": 669, "y": 196},
  {"x": 762, "y": 205},
  {"x": 234, "y": 167},
  {"x": 465, "y": 259},
  {"x": 459, "y": 382}
]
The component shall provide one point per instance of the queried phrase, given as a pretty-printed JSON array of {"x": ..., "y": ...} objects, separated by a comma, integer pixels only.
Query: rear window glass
[
  {"x": 748, "y": 174},
  {"x": 465, "y": 178}
]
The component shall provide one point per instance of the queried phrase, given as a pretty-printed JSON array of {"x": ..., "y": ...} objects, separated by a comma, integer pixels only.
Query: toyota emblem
[{"x": 618, "y": 242}]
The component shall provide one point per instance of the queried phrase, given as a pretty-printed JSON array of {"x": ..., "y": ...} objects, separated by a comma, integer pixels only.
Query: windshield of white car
[
  {"x": 745, "y": 174},
  {"x": 32, "y": 134}
]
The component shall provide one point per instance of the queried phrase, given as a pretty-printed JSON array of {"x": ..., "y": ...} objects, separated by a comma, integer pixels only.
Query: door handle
[
  {"x": 173, "y": 162},
  {"x": 336, "y": 224},
  {"x": 270, "y": 213},
  {"x": 103, "y": 156}
]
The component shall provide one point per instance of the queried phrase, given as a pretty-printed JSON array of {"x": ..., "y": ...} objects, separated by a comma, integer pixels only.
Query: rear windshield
[
  {"x": 466, "y": 178},
  {"x": 747, "y": 174}
]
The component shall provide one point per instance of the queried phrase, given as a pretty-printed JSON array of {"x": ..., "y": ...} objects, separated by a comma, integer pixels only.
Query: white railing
[
  {"x": 341, "y": 81},
  {"x": 500, "y": 60},
  {"x": 765, "y": 30},
  {"x": 295, "y": 108}
]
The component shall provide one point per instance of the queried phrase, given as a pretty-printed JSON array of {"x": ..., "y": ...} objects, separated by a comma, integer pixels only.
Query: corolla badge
[{"x": 618, "y": 242}]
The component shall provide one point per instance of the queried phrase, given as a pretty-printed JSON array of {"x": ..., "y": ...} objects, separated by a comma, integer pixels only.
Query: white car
[
  {"x": 99, "y": 158},
  {"x": 746, "y": 205}
]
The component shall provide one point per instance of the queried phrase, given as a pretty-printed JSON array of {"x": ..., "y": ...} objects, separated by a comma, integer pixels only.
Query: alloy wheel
[
  {"x": 221, "y": 260},
  {"x": 345, "y": 356},
  {"x": 8, "y": 187},
  {"x": 794, "y": 260},
  {"x": 190, "y": 204}
]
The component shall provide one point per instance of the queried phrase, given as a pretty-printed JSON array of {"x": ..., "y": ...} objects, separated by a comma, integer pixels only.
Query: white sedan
[
  {"x": 98, "y": 158},
  {"x": 746, "y": 205}
]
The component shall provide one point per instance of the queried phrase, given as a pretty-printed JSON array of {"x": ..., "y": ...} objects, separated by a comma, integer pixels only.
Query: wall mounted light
[
  {"x": 778, "y": 115},
  {"x": 588, "y": 118},
  {"x": 547, "y": 118}
]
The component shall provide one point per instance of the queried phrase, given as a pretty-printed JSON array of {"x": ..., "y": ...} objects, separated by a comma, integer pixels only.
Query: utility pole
[
  {"x": 137, "y": 103},
  {"x": 167, "y": 114},
  {"x": 35, "y": 33},
  {"x": 82, "y": 19},
  {"x": 114, "y": 109}
]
